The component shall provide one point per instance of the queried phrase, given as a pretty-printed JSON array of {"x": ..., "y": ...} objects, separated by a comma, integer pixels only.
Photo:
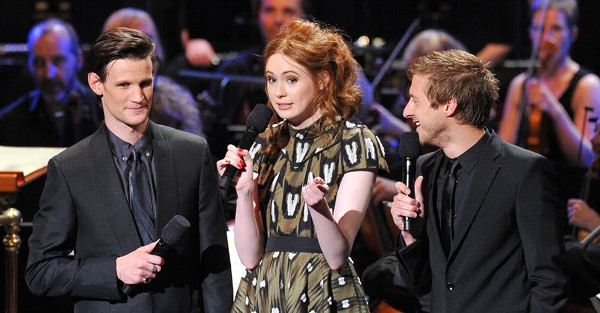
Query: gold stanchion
[
  {"x": 11, "y": 220},
  {"x": 18, "y": 167}
]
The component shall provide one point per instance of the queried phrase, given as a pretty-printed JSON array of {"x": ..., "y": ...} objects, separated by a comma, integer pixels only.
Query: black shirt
[{"x": 468, "y": 163}]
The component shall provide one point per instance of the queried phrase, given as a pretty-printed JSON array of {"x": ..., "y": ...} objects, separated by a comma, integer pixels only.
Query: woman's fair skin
[{"x": 291, "y": 89}]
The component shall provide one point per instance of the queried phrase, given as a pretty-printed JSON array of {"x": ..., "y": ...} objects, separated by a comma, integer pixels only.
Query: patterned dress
[{"x": 289, "y": 280}]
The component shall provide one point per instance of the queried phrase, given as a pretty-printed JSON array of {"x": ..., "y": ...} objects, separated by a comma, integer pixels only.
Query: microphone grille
[
  {"x": 259, "y": 117},
  {"x": 410, "y": 147},
  {"x": 174, "y": 230}
]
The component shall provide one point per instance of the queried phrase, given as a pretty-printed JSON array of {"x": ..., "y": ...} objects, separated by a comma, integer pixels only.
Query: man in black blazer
[
  {"x": 87, "y": 241},
  {"x": 501, "y": 248}
]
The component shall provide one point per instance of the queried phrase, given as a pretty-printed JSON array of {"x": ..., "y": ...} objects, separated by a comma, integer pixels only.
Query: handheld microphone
[
  {"x": 255, "y": 124},
  {"x": 409, "y": 150},
  {"x": 171, "y": 234}
]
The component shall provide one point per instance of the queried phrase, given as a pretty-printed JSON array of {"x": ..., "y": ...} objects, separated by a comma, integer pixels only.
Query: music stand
[{"x": 18, "y": 166}]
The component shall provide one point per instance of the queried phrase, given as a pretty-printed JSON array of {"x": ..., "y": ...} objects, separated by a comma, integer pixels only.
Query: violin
[
  {"x": 537, "y": 128},
  {"x": 538, "y": 123},
  {"x": 534, "y": 126}
]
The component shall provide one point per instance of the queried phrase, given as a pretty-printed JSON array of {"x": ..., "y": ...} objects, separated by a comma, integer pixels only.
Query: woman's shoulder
[
  {"x": 360, "y": 144},
  {"x": 352, "y": 128}
]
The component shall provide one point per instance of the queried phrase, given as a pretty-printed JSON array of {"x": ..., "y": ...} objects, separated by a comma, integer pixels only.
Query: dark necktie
[
  {"x": 140, "y": 198},
  {"x": 447, "y": 211}
]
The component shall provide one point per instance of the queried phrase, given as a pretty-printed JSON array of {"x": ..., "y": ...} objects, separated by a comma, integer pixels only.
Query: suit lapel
[
  {"x": 115, "y": 212},
  {"x": 484, "y": 174},
  {"x": 166, "y": 178}
]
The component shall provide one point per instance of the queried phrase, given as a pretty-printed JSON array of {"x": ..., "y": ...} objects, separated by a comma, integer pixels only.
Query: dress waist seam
[{"x": 293, "y": 244}]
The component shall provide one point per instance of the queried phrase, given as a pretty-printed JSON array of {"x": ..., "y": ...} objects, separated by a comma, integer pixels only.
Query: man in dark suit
[
  {"x": 94, "y": 231},
  {"x": 486, "y": 233}
]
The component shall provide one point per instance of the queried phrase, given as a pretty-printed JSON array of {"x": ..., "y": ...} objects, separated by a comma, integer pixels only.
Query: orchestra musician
[
  {"x": 548, "y": 112},
  {"x": 583, "y": 260},
  {"x": 561, "y": 90}
]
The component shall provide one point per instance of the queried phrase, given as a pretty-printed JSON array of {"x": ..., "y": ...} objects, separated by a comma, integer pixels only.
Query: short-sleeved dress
[{"x": 292, "y": 277}]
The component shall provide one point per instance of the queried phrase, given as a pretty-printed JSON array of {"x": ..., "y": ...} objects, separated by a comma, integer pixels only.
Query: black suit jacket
[
  {"x": 84, "y": 209},
  {"x": 508, "y": 254}
]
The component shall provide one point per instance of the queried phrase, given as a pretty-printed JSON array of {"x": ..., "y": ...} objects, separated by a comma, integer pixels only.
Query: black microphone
[
  {"x": 171, "y": 234},
  {"x": 409, "y": 150},
  {"x": 255, "y": 124}
]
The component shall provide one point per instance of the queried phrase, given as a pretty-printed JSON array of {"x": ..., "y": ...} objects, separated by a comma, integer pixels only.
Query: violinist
[
  {"x": 583, "y": 212},
  {"x": 561, "y": 89},
  {"x": 583, "y": 262}
]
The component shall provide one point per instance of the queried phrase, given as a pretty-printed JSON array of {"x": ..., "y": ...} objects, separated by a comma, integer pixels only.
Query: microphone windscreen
[
  {"x": 409, "y": 145},
  {"x": 174, "y": 230},
  {"x": 259, "y": 117}
]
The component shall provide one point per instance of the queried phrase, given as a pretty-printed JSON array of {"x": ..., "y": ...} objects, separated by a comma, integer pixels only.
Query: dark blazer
[
  {"x": 84, "y": 211},
  {"x": 508, "y": 254}
]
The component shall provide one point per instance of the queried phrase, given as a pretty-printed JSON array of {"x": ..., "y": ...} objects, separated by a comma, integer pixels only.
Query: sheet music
[
  {"x": 25, "y": 159},
  {"x": 596, "y": 302}
]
